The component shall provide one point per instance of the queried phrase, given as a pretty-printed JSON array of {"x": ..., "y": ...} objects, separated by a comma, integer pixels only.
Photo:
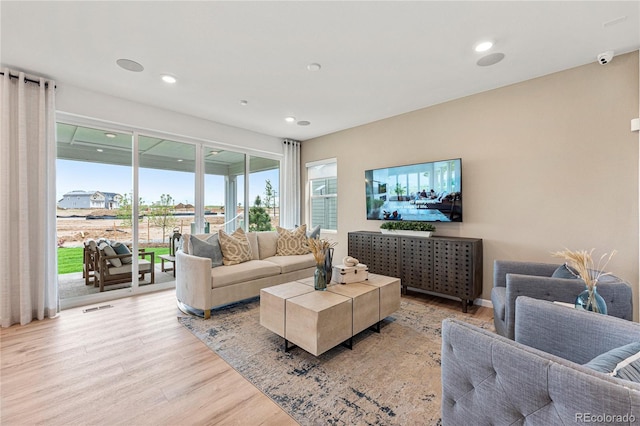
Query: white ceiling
[{"x": 379, "y": 59}]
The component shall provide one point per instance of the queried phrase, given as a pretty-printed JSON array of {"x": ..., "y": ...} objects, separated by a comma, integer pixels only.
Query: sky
[{"x": 77, "y": 175}]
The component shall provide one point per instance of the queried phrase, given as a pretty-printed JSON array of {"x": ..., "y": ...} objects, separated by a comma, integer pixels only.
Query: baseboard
[{"x": 479, "y": 302}]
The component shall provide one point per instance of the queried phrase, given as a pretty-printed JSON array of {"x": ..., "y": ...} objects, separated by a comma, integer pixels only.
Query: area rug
[{"x": 389, "y": 378}]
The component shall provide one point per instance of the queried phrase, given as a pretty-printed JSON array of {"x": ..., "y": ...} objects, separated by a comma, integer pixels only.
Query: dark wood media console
[{"x": 445, "y": 265}]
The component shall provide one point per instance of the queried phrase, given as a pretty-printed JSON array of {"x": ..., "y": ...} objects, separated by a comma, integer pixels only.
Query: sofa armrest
[
  {"x": 193, "y": 280},
  {"x": 572, "y": 334},
  {"x": 503, "y": 267}
]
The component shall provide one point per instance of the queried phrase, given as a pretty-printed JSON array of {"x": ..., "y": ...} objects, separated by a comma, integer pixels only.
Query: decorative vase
[
  {"x": 320, "y": 278},
  {"x": 328, "y": 263},
  {"x": 591, "y": 301}
]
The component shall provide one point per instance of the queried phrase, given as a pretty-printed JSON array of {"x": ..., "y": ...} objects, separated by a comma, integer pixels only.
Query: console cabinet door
[
  {"x": 416, "y": 263},
  {"x": 453, "y": 268},
  {"x": 385, "y": 260},
  {"x": 360, "y": 247}
]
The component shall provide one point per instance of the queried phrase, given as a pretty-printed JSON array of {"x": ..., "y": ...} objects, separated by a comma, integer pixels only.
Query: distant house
[{"x": 90, "y": 200}]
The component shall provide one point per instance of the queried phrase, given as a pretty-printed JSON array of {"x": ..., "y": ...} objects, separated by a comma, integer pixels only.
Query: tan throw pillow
[
  {"x": 235, "y": 247},
  {"x": 293, "y": 242}
]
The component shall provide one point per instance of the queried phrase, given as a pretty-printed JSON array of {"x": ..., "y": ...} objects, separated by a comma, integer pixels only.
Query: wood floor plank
[{"x": 131, "y": 364}]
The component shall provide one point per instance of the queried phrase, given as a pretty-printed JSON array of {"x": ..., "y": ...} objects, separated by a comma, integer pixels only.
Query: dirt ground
[{"x": 73, "y": 228}]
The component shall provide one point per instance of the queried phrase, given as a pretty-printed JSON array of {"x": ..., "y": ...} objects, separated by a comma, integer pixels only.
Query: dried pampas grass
[
  {"x": 319, "y": 248},
  {"x": 582, "y": 262}
]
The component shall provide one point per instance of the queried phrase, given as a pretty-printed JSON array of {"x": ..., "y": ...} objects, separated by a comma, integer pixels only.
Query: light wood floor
[{"x": 131, "y": 364}]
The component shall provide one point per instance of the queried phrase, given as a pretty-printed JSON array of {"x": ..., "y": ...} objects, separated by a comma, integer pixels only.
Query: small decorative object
[
  {"x": 328, "y": 263},
  {"x": 350, "y": 261},
  {"x": 323, "y": 253},
  {"x": 580, "y": 263},
  {"x": 591, "y": 301},
  {"x": 346, "y": 274},
  {"x": 320, "y": 278}
]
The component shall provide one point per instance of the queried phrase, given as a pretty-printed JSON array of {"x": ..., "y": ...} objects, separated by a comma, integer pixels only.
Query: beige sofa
[{"x": 199, "y": 287}]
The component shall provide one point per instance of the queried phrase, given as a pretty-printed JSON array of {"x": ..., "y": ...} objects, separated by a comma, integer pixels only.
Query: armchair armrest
[
  {"x": 571, "y": 334},
  {"x": 144, "y": 254},
  {"x": 503, "y": 267}
]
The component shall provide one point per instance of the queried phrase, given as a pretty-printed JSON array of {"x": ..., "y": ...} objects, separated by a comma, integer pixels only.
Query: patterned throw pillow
[
  {"x": 235, "y": 247},
  {"x": 293, "y": 242}
]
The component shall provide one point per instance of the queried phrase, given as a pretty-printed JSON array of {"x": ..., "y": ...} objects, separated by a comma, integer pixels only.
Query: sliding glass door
[
  {"x": 93, "y": 184},
  {"x": 134, "y": 191}
]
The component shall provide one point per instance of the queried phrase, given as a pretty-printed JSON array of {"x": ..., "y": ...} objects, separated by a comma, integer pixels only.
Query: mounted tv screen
[{"x": 430, "y": 192}]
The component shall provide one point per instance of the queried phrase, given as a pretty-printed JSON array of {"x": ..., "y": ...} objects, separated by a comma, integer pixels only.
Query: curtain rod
[{"x": 46, "y": 84}]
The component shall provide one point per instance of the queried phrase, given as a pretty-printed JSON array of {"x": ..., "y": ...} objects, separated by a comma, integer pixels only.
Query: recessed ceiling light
[
  {"x": 490, "y": 59},
  {"x": 303, "y": 123},
  {"x": 169, "y": 79},
  {"x": 100, "y": 150},
  {"x": 244, "y": 102},
  {"x": 110, "y": 135},
  {"x": 484, "y": 46},
  {"x": 179, "y": 160},
  {"x": 314, "y": 67},
  {"x": 290, "y": 119},
  {"x": 129, "y": 65},
  {"x": 214, "y": 152}
]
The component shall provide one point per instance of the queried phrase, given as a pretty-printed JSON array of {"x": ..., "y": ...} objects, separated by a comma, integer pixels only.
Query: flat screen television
[{"x": 430, "y": 192}]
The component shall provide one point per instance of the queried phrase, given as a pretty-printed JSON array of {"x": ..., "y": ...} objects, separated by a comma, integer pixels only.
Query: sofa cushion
[
  {"x": 120, "y": 248},
  {"x": 293, "y": 242},
  {"x": 622, "y": 362},
  {"x": 242, "y": 272},
  {"x": 293, "y": 263},
  {"x": 107, "y": 250},
  {"x": 143, "y": 266},
  {"x": 267, "y": 244},
  {"x": 235, "y": 247},
  {"x": 209, "y": 248},
  {"x": 252, "y": 237}
]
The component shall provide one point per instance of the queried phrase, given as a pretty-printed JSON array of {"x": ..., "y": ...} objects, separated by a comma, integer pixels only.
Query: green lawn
[{"x": 70, "y": 258}]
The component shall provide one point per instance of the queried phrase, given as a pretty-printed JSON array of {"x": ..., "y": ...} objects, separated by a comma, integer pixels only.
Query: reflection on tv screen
[{"x": 430, "y": 192}]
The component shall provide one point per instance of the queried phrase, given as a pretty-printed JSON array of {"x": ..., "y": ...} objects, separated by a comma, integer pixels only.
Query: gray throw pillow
[
  {"x": 623, "y": 360},
  {"x": 120, "y": 248},
  {"x": 564, "y": 271},
  {"x": 314, "y": 233},
  {"x": 209, "y": 248}
]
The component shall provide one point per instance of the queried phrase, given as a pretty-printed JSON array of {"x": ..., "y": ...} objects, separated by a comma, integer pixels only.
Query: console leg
[{"x": 464, "y": 306}]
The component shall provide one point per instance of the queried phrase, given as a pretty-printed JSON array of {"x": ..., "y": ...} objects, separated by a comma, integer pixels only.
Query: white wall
[
  {"x": 74, "y": 100},
  {"x": 547, "y": 163}
]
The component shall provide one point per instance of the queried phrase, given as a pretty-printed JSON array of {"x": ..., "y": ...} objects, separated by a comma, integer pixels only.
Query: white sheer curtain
[
  {"x": 290, "y": 188},
  {"x": 28, "y": 280}
]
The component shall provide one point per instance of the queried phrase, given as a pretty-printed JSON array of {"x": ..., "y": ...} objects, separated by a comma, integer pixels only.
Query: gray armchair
[
  {"x": 537, "y": 379},
  {"x": 512, "y": 279}
]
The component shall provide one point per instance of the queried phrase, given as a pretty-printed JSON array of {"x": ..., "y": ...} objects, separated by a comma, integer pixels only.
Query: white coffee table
[{"x": 317, "y": 321}]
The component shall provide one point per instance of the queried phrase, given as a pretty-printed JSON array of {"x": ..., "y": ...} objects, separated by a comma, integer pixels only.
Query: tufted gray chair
[
  {"x": 537, "y": 379},
  {"x": 514, "y": 278}
]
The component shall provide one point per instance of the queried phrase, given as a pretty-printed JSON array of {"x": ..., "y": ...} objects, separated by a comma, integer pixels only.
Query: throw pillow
[
  {"x": 208, "y": 248},
  {"x": 564, "y": 271},
  {"x": 622, "y": 362},
  {"x": 120, "y": 248},
  {"x": 291, "y": 243},
  {"x": 314, "y": 233},
  {"x": 109, "y": 251},
  {"x": 235, "y": 247}
]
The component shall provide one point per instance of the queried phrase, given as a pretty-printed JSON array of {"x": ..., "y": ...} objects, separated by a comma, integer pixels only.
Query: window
[{"x": 322, "y": 179}]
